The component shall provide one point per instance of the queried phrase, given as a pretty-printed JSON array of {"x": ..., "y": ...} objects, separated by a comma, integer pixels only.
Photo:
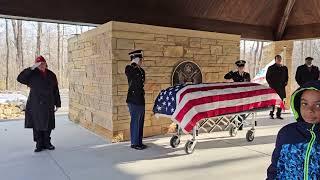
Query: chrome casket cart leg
[
  {"x": 175, "y": 139},
  {"x": 250, "y": 133},
  {"x": 233, "y": 131},
  {"x": 191, "y": 144}
]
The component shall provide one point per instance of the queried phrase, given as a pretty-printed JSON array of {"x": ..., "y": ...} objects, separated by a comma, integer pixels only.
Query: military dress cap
[
  {"x": 240, "y": 63},
  {"x": 309, "y": 58},
  {"x": 136, "y": 53}
]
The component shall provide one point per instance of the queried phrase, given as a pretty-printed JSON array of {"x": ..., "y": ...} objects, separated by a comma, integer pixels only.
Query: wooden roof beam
[{"x": 284, "y": 20}]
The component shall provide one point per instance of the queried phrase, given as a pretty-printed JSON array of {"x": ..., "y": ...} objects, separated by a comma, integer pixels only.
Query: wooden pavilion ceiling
[{"x": 252, "y": 19}]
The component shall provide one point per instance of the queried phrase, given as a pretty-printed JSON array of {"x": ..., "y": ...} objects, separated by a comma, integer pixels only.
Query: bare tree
[
  {"x": 17, "y": 34},
  {"x": 58, "y": 52},
  {"x": 7, "y": 55},
  {"x": 81, "y": 29},
  {"x": 39, "y": 32},
  {"x": 310, "y": 49},
  {"x": 260, "y": 56},
  {"x": 302, "y": 46},
  {"x": 251, "y": 69},
  {"x": 255, "y": 57},
  {"x": 48, "y": 43}
]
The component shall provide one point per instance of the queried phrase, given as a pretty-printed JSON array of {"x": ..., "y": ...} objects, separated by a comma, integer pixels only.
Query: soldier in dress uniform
[
  {"x": 239, "y": 75},
  {"x": 135, "y": 98}
]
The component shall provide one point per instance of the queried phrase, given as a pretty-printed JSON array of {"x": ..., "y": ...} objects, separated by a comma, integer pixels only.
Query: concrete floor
[{"x": 81, "y": 155}]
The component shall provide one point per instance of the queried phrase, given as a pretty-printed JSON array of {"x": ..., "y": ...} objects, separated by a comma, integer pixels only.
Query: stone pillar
[{"x": 98, "y": 85}]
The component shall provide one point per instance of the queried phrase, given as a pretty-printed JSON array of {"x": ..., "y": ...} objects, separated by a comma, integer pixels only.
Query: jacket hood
[{"x": 296, "y": 97}]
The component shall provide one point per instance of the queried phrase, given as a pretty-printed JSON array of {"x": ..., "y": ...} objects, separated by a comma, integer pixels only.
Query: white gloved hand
[
  {"x": 35, "y": 65},
  {"x": 56, "y": 109}
]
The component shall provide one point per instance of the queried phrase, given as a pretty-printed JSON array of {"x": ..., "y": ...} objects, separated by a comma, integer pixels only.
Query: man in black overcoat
[
  {"x": 277, "y": 78},
  {"x": 307, "y": 72},
  {"x": 43, "y": 102}
]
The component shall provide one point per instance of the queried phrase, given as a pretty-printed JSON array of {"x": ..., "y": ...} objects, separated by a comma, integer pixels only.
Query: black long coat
[
  {"x": 43, "y": 97},
  {"x": 304, "y": 74},
  {"x": 277, "y": 78},
  {"x": 136, "y": 79}
]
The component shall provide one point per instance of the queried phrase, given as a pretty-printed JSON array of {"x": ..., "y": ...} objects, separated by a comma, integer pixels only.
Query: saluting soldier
[
  {"x": 239, "y": 75},
  {"x": 135, "y": 98}
]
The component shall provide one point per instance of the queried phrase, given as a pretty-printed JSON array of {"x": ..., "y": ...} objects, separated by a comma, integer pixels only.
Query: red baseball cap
[{"x": 40, "y": 59}]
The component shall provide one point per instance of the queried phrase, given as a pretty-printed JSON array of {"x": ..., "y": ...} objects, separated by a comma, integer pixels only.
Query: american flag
[
  {"x": 188, "y": 104},
  {"x": 165, "y": 104}
]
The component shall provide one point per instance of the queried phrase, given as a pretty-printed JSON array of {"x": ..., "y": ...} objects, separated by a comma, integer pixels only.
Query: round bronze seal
[{"x": 186, "y": 72}]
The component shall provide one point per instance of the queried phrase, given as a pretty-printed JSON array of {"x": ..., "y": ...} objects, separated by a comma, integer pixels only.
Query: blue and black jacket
[{"x": 297, "y": 152}]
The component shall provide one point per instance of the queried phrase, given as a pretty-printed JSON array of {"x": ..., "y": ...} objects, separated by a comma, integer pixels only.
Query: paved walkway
[{"x": 81, "y": 155}]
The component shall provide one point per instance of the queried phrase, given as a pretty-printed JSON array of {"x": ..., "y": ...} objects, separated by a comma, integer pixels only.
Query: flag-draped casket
[{"x": 188, "y": 104}]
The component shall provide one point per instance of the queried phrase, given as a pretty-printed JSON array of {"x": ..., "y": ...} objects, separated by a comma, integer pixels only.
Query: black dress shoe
[
  {"x": 133, "y": 146},
  {"x": 38, "y": 149},
  {"x": 279, "y": 117},
  {"x": 49, "y": 147},
  {"x": 271, "y": 117},
  {"x": 137, "y": 147},
  {"x": 144, "y": 146}
]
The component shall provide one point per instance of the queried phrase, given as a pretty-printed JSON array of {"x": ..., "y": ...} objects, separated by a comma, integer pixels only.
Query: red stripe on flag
[
  {"x": 227, "y": 110},
  {"x": 210, "y": 99},
  {"x": 208, "y": 88}
]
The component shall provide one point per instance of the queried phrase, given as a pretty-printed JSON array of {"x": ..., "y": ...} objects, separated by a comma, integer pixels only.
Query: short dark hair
[{"x": 277, "y": 56}]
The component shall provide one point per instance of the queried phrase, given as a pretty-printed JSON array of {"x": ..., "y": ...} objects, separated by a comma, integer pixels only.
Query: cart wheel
[
  {"x": 250, "y": 135},
  {"x": 188, "y": 147},
  {"x": 174, "y": 141},
  {"x": 233, "y": 131}
]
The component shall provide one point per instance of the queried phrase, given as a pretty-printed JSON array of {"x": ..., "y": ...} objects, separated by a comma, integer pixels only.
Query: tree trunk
[
  {"x": 244, "y": 49},
  {"x": 17, "y": 34},
  {"x": 310, "y": 48},
  {"x": 302, "y": 46},
  {"x": 260, "y": 56},
  {"x": 39, "y": 32},
  {"x": 63, "y": 59},
  {"x": 252, "y": 58},
  {"x": 58, "y": 53},
  {"x": 48, "y": 45},
  {"x": 255, "y": 58},
  {"x": 7, "y": 56},
  {"x": 20, "y": 49}
]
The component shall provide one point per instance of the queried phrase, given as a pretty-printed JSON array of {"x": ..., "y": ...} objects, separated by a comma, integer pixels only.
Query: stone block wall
[
  {"x": 90, "y": 80},
  {"x": 164, "y": 48}
]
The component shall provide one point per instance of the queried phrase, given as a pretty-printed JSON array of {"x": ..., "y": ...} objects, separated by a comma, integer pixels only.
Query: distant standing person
[
  {"x": 277, "y": 78},
  {"x": 43, "y": 102},
  {"x": 307, "y": 72}
]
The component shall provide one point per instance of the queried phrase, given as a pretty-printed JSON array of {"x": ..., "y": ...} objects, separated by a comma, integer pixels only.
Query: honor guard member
[
  {"x": 238, "y": 75},
  {"x": 135, "y": 98}
]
